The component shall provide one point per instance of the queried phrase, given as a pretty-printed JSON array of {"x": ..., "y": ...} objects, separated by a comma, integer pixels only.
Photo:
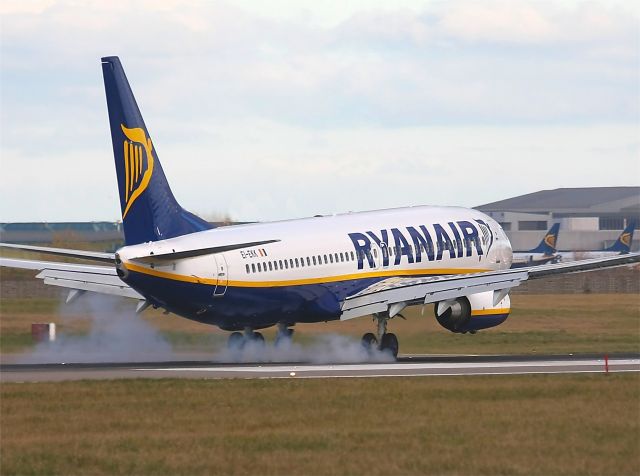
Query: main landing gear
[
  {"x": 387, "y": 341},
  {"x": 237, "y": 340}
]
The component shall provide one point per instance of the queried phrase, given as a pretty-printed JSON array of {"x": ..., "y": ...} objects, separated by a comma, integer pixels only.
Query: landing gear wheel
[
  {"x": 257, "y": 338},
  {"x": 283, "y": 337},
  {"x": 389, "y": 342},
  {"x": 369, "y": 341},
  {"x": 236, "y": 341}
]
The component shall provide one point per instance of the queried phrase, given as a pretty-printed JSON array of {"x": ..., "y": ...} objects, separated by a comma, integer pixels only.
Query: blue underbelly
[{"x": 241, "y": 307}]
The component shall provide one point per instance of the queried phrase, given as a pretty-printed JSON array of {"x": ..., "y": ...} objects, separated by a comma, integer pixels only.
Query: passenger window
[
  {"x": 308, "y": 261},
  {"x": 259, "y": 268},
  {"x": 291, "y": 262},
  {"x": 336, "y": 256},
  {"x": 296, "y": 262},
  {"x": 331, "y": 258},
  {"x": 253, "y": 267},
  {"x": 270, "y": 266},
  {"x": 353, "y": 258},
  {"x": 281, "y": 265},
  {"x": 302, "y": 262},
  {"x": 286, "y": 264},
  {"x": 326, "y": 260},
  {"x": 314, "y": 260},
  {"x": 247, "y": 265},
  {"x": 375, "y": 252},
  {"x": 342, "y": 257}
]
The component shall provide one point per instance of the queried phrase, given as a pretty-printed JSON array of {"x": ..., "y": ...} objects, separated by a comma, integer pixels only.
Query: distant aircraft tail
[
  {"x": 149, "y": 210},
  {"x": 548, "y": 243},
  {"x": 623, "y": 243}
]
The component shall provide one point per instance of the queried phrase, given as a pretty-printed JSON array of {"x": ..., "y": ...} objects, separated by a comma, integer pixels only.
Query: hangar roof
[{"x": 572, "y": 200}]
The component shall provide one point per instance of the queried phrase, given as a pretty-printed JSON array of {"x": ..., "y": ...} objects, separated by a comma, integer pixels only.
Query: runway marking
[{"x": 397, "y": 366}]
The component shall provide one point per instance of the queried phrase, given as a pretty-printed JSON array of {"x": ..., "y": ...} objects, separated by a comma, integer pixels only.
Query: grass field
[
  {"x": 602, "y": 323},
  {"x": 501, "y": 425}
]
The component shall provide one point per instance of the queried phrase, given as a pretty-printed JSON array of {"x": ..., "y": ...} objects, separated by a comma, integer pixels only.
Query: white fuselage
[{"x": 339, "y": 255}]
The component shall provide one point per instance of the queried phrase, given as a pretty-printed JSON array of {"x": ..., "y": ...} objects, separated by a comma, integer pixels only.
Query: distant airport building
[
  {"x": 39, "y": 232},
  {"x": 590, "y": 218}
]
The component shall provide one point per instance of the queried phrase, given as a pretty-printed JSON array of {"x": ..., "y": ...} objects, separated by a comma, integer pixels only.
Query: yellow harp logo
[
  {"x": 138, "y": 164},
  {"x": 550, "y": 240},
  {"x": 625, "y": 238}
]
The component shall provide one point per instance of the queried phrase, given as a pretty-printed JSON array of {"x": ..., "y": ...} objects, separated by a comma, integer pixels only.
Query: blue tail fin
[
  {"x": 548, "y": 243},
  {"x": 623, "y": 243},
  {"x": 149, "y": 210}
]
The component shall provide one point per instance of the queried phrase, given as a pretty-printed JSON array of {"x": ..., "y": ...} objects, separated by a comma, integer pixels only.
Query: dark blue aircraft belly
[{"x": 241, "y": 307}]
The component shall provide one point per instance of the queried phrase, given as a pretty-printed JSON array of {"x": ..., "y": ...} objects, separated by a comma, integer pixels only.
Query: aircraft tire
[
  {"x": 369, "y": 341},
  {"x": 390, "y": 342},
  {"x": 283, "y": 338},
  {"x": 236, "y": 341}
]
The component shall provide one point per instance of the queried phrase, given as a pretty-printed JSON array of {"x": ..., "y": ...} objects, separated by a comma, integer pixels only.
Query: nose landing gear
[{"x": 387, "y": 341}]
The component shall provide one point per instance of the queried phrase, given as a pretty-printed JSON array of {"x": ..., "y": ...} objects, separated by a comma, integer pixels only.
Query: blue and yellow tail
[
  {"x": 623, "y": 243},
  {"x": 149, "y": 210},
  {"x": 548, "y": 245}
]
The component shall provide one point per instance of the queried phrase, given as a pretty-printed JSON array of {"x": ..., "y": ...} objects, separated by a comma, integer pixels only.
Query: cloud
[{"x": 277, "y": 104}]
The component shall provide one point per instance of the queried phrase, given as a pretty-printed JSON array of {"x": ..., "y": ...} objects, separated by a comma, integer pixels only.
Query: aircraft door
[{"x": 221, "y": 275}]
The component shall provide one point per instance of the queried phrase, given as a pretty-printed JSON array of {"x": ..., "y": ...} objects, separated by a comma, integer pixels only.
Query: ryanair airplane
[
  {"x": 249, "y": 277},
  {"x": 620, "y": 247},
  {"x": 544, "y": 253}
]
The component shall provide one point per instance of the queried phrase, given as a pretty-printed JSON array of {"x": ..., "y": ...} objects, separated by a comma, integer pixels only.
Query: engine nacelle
[{"x": 472, "y": 313}]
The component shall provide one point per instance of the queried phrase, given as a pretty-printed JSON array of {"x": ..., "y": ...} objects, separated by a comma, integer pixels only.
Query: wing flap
[
  {"x": 381, "y": 296},
  {"x": 92, "y": 285}
]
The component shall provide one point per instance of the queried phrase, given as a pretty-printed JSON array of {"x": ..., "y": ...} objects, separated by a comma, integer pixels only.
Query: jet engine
[{"x": 474, "y": 312}]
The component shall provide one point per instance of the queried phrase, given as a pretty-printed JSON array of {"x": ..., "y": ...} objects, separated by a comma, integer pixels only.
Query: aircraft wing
[
  {"x": 76, "y": 277},
  {"x": 80, "y": 254},
  {"x": 394, "y": 294}
]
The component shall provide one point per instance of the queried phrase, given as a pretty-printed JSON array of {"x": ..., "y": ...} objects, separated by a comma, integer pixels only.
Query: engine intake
[{"x": 454, "y": 314}]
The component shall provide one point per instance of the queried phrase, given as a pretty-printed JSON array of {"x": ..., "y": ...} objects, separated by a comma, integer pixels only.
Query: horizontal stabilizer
[
  {"x": 79, "y": 254},
  {"x": 173, "y": 255}
]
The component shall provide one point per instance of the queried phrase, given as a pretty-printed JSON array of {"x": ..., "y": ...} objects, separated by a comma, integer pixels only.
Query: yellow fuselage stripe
[
  {"x": 489, "y": 312},
  {"x": 296, "y": 282}
]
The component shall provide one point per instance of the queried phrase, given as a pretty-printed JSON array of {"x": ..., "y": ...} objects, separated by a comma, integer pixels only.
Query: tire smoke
[
  {"x": 324, "y": 349},
  {"x": 116, "y": 334}
]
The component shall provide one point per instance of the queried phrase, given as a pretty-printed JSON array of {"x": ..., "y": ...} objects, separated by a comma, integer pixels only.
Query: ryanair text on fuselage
[{"x": 466, "y": 238}]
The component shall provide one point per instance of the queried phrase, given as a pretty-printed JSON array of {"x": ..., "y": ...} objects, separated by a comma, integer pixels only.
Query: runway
[{"x": 405, "y": 366}]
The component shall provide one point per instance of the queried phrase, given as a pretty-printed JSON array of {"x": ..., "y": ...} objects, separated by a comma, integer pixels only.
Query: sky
[{"x": 292, "y": 108}]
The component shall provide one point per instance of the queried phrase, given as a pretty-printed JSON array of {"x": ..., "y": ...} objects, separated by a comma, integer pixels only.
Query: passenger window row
[
  {"x": 318, "y": 260},
  {"x": 291, "y": 263}
]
